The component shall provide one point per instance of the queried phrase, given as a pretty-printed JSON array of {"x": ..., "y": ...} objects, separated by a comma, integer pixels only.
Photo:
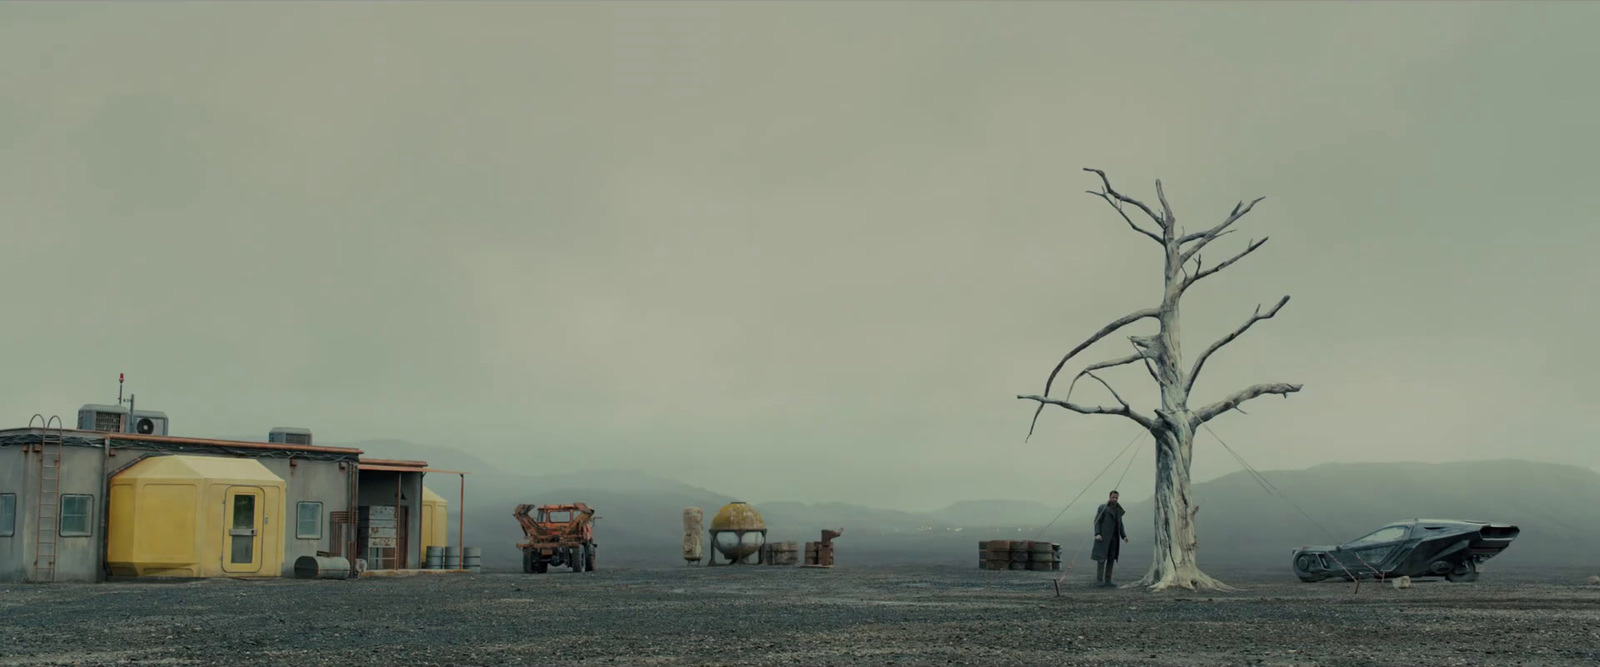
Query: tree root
[{"x": 1194, "y": 580}]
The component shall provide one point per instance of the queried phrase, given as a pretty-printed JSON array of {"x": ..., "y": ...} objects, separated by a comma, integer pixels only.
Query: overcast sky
[{"x": 801, "y": 252}]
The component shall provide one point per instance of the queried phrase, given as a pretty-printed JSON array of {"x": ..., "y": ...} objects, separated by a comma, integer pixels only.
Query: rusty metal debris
[{"x": 820, "y": 554}]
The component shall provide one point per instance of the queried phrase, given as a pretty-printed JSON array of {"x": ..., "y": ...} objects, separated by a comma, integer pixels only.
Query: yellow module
[
  {"x": 196, "y": 516},
  {"x": 435, "y": 520}
]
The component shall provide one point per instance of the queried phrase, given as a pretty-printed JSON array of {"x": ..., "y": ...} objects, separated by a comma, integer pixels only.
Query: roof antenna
[{"x": 127, "y": 422}]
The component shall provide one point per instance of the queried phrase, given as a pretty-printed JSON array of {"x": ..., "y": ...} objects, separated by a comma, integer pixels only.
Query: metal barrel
[
  {"x": 434, "y": 559},
  {"x": 471, "y": 559},
  {"x": 784, "y": 553},
  {"x": 452, "y": 558},
  {"x": 321, "y": 567}
]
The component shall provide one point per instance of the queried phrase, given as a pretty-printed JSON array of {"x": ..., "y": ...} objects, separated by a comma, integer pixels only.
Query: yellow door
[{"x": 242, "y": 519}]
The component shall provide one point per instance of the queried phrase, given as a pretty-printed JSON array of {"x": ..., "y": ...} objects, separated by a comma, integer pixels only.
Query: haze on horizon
[{"x": 806, "y": 252}]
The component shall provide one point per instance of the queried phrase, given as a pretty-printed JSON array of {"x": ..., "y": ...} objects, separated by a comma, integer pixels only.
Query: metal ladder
[{"x": 48, "y": 515}]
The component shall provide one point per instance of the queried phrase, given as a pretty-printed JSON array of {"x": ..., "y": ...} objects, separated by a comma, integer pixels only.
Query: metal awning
[{"x": 388, "y": 468}]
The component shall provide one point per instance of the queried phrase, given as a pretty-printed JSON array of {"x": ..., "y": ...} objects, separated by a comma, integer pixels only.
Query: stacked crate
[{"x": 1019, "y": 555}]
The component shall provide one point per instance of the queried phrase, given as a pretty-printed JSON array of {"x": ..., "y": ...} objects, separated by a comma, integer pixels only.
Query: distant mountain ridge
[{"x": 1240, "y": 523}]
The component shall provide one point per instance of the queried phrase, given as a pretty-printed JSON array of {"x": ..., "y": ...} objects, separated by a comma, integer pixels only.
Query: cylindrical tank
[
  {"x": 470, "y": 559},
  {"x": 321, "y": 567},
  {"x": 692, "y": 527},
  {"x": 737, "y": 531},
  {"x": 452, "y": 558},
  {"x": 435, "y": 559}
]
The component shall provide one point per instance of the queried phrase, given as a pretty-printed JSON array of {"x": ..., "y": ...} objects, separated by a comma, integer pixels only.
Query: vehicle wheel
[
  {"x": 588, "y": 561},
  {"x": 1302, "y": 569},
  {"x": 1466, "y": 572},
  {"x": 541, "y": 567},
  {"x": 527, "y": 562},
  {"x": 575, "y": 559}
]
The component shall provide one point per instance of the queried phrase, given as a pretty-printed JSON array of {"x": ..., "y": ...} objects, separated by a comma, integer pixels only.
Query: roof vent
[
  {"x": 287, "y": 435},
  {"x": 149, "y": 422},
  {"x": 102, "y": 418}
]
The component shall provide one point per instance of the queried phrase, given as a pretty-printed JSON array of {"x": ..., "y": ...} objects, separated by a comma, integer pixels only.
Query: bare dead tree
[{"x": 1173, "y": 425}]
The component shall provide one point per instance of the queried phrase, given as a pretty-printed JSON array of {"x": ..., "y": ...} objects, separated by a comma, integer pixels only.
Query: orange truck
[{"x": 557, "y": 535}]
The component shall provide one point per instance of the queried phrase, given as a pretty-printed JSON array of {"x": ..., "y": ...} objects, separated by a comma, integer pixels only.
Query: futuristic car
[{"x": 1417, "y": 548}]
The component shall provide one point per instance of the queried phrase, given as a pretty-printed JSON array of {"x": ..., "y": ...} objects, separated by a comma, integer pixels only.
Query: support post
[{"x": 399, "y": 483}]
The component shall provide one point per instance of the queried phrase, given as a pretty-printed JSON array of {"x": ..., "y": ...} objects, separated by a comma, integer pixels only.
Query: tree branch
[
  {"x": 1169, "y": 221},
  {"x": 1198, "y": 274},
  {"x": 1240, "y": 210},
  {"x": 1123, "y": 410},
  {"x": 1121, "y": 361},
  {"x": 1112, "y": 193},
  {"x": 1210, "y": 412},
  {"x": 1118, "y": 207},
  {"x": 1194, "y": 373},
  {"x": 1107, "y": 330},
  {"x": 1146, "y": 356},
  {"x": 1126, "y": 409}
]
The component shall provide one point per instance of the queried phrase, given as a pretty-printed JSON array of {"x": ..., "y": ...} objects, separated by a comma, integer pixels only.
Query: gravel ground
[{"x": 797, "y": 616}]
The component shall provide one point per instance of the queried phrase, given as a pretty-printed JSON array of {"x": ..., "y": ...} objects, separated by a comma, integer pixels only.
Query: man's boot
[
  {"x": 1099, "y": 573},
  {"x": 1110, "y": 565}
]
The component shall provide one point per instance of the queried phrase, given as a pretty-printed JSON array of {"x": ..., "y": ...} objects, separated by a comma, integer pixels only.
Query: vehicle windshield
[{"x": 1385, "y": 534}]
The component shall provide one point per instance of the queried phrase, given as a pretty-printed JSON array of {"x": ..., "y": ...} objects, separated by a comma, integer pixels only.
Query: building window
[
  {"x": 8, "y": 514},
  {"x": 308, "y": 523},
  {"x": 76, "y": 514}
]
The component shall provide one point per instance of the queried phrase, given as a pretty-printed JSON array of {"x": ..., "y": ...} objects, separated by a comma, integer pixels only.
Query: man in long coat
[{"x": 1108, "y": 529}]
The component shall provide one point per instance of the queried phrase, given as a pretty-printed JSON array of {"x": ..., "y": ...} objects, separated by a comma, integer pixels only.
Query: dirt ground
[{"x": 796, "y": 616}]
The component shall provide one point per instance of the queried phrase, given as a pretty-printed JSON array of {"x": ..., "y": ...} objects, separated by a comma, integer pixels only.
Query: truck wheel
[
  {"x": 575, "y": 558},
  {"x": 588, "y": 563},
  {"x": 541, "y": 567},
  {"x": 527, "y": 562}
]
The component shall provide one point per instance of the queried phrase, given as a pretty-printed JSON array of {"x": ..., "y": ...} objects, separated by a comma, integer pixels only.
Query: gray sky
[{"x": 805, "y": 252}]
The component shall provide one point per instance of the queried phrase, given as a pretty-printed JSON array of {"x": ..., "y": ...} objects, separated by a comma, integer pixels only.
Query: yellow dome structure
[
  {"x": 737, "y": 531},
  {"x": 435, "y": 520},
  {"x": 737, "y": 516},
  {"x": 196, "y": 516}
]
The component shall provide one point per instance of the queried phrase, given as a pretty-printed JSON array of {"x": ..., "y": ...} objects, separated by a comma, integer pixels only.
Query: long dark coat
[{"x": 1108, "y": 525}]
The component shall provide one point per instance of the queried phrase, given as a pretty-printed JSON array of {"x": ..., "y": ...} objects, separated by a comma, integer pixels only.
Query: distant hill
[
  {"x": 1241, "y": 525},
  {"x": 999, "y": 513}
]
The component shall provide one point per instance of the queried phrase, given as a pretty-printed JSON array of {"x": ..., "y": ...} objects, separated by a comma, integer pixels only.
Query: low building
[{"x": 119, "y": 497}]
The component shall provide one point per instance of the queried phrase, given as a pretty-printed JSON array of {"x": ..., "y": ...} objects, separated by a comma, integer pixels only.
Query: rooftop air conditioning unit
[
  {"x": 149, "y": 422},
  {"x": 102, "y": 418},
  {"x": 285, "y": 435}
]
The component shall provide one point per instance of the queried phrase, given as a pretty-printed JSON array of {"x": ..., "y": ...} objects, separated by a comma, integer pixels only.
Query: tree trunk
[{"x": 1174, "y": 562}]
